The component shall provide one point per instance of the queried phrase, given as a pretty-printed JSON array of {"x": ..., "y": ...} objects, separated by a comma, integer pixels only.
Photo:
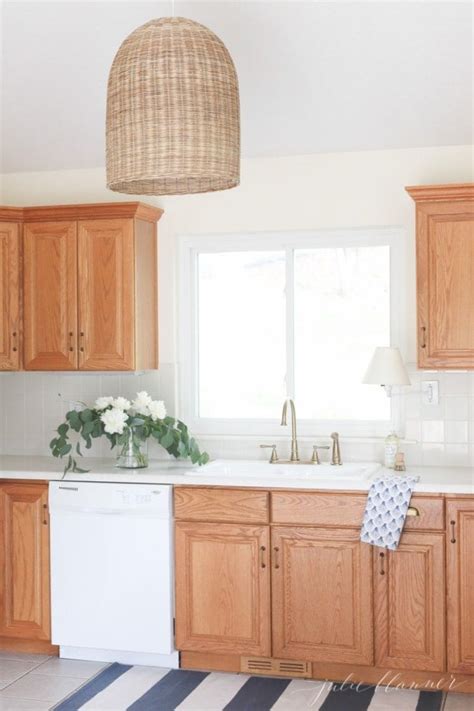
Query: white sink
[{"x": 256, "y": 470}]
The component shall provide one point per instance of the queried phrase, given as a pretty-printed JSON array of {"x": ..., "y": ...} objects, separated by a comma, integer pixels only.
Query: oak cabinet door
[
  {"x": 222, "y": 588},
  {"x": 410, "y": 603},
  {"x": 445, "y": 285},
  {"x": 50, "y": 296},
  {"x": 460, "y": 585},
  {"x": 106, "y": 295},
  {"x": 24, "y": 562},
  {"x": 321, "y": 595},
  {"x": 9, "y": 296}
]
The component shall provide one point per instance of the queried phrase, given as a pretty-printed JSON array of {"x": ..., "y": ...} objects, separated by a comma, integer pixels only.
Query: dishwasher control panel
[{"x": 113, "y": 498}]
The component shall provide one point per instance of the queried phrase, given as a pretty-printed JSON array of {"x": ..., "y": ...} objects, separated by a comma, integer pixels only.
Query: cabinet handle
[
  {"x": 423, "y": 337},
  {"x": 413, "y": 511},
  {"x": 276, "y": 550},
  {"x": 14, "y": 348},
  {"x": 262, "y": 557},
  {"x": 71, "y": 342},
  {"x": 45, "y": 514},
  {"x": 82, "y": 341},
  {"x": 453, "y": 531},
  {"x": 382, "y": 561}
]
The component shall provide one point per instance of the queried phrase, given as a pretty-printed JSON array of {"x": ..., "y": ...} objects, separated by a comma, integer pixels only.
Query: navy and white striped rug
[{"x": 120, "y": 687}]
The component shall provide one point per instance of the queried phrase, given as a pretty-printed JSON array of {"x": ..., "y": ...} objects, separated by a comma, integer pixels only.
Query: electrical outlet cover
[{"x": 430, "y": 392}]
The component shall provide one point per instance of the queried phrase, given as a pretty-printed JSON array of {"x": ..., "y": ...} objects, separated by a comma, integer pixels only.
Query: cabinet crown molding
[
  {"x": 441, "y": 193},
  {"x": 92, "y": 211}
]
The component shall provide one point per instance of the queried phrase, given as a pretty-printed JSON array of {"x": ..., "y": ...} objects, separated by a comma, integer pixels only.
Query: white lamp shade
[{"x": 386, "y": 368}]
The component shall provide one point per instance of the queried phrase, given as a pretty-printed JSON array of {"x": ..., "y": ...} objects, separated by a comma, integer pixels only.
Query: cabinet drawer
[
  {"x": 430, "y": 514},
  {"x": 221, "y": 505},
  {"x": 347, "y": 510},
  {"x": 318, "y": 509}
]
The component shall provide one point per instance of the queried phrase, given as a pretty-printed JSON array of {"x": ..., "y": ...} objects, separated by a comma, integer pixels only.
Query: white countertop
[{"x": 442, "y": 480}]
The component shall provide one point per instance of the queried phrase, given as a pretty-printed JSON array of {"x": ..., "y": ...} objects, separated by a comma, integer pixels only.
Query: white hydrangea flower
[
  {"x": 114, "y": 420},
  {"x": 102, "y": 402},
  {"x": 121, "y": 403},
  {"x": 141, "y": 403},
  {"x": 157, "y": 409}
]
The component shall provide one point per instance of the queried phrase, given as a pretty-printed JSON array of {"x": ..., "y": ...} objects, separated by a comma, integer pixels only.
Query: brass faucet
[
  {"x": 294, "y": 457},
  {"x": 336, "y": 450}
]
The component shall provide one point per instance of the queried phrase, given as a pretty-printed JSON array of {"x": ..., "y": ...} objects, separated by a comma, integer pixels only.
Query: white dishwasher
[{"x": 112, "y": 572}]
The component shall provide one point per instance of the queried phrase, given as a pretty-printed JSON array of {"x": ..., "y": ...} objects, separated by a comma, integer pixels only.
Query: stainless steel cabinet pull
[
  {"x": 382, "y": 560},
  {"x": 276, "y": 550},
  {"x": 262, "y": 557},
  {"x": 423, "y": 337},
  {"x": 453, "y": 531}
]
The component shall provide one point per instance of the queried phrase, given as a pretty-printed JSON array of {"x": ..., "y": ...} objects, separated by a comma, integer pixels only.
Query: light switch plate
[{"x": 430, "y": 392}]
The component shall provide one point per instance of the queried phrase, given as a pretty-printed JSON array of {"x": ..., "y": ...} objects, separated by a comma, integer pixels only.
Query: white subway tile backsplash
[
  {"x": 32, "y": 405},
  {"x": 457, "y": 431},
  {"x": 433, "y": 454},
  {"x": 432, "y": 431},
  {"x": 456, "y": 383},
  {"x": 457, "y": 408}
]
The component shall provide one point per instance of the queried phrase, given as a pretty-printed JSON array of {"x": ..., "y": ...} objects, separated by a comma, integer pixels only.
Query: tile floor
[{"x": 36, "y": 682}]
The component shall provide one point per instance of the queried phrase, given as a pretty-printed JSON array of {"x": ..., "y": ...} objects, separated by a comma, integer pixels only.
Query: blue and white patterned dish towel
[{"x": 386, "y": 509}]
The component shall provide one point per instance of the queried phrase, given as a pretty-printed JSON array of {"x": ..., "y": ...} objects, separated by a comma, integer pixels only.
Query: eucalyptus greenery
[{"x": 92, "y": 423}]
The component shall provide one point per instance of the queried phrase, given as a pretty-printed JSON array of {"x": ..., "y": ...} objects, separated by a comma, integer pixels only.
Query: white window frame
[{"x": 190, "y": 246}]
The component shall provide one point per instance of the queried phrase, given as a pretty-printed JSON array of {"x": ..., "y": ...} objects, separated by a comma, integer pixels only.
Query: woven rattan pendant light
[{"x": 172, "y": 112}]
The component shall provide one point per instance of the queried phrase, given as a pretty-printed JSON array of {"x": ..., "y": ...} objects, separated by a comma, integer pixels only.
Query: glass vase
[{"x": 133, "y": 453}]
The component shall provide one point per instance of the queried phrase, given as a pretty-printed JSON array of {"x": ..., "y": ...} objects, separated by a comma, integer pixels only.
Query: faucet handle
[
  {"x": 315, "y": 458},
  {"x": 274, "y": 455}
]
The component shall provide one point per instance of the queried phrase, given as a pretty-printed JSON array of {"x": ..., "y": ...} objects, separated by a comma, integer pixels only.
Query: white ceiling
[{"x": 314, "y": 76}]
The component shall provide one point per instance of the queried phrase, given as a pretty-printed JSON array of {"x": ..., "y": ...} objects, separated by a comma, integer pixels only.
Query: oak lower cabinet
[
  {"x": 445, "y": 275},
  {"x": 9, "y": 295},
  {"x": 409, "y": 591},
  {"x": 339, "y": 608},
  {"x": 24, "y": 567},
  {"x": 321, "y": 595},
  {"x": 90, "y": 287},
  {"x": 222, "y": 588},
  {"x": 460, "y": 585}
]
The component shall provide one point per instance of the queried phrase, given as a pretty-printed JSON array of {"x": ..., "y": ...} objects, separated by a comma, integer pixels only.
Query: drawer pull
[
  {"x": 262, "y": 557},
  {"x": 382, "y": 561},
  {"x": 453, "y": 531},
  {"x": 45, "y": 514},
  {"x": 413, "y": 511},
  {"x": 276, "y": 550}
]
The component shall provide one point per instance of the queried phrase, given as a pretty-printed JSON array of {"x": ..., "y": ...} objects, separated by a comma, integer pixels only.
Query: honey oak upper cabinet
[
  {"x": 321, "y": 595},
  {"x": 223, "y": 588},
  {"x": 106, "y": 295},
  {"x": 445, "y": 275},
  {"x": 409, "y": 603},
  {"x": 50, "y": 295},
  {"x": 24, "y": 562},
  {"x": 90, "y": 287},
  {"x": 9, "y": 295},
  {"x": 460, "y": 585}
]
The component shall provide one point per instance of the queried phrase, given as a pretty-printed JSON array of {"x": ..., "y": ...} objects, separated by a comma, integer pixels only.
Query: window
[{"x": 267, "y": 316}]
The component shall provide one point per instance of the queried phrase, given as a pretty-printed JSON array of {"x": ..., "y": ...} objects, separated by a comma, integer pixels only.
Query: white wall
[{"x": 298, "y": 192}]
